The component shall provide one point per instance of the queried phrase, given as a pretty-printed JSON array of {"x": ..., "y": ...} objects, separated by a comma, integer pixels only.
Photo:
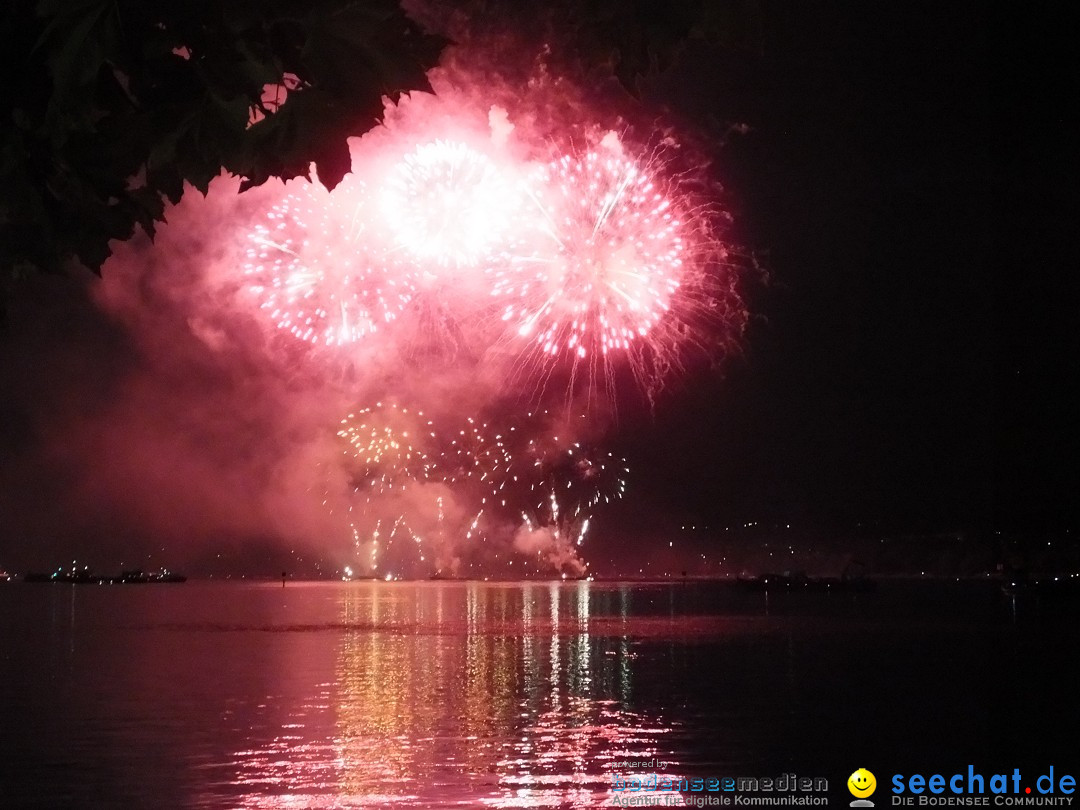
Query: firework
[
  {"x": 563, "y": 527},
  {"x": 606, "y": 263},
  {"x": 388, "y": 455},
  {"x": 447, "y": 205},
  {"x": 389, "y": 541},
  {"x": 477, "y": 456},
  {"x": 587, "y": 256},
  {"x": 586, "y": 475},
  {"x": 593, "y": 258},
  {"x": 521, "y": 465},
  {"x": 567, "y": 483},
  {"x": 385, "y": 447},
  {"x": 318, "y": 272}
]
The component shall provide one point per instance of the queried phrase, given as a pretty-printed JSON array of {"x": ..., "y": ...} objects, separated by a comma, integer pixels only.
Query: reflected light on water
[
  {"x": 444, "y": 695},
  {"x": 449, "y": 694}
]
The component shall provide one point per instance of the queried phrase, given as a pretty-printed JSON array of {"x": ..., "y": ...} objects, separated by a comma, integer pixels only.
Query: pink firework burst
[
  {"x": 315, "y": 270},
  {"x": 606, "y": 265},
  {"x": 447, "y": 205}
]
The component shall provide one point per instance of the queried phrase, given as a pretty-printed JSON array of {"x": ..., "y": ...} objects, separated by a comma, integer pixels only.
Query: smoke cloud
[{"x": 162, "y": 413}]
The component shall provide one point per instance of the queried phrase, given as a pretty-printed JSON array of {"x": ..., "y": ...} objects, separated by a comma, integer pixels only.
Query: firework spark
[
  {"x": 317, "y": 271},
  {"x": 386, "y": 447},
  {"x": 478, "y": 456},
  {"x": 608, "y": 261},
  {"x": 522, "y": 465},
  {"x": 447, "y": 204}
]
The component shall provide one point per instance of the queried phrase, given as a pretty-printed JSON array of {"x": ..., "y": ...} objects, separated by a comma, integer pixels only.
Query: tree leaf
[{"x": 81, "y": 36}]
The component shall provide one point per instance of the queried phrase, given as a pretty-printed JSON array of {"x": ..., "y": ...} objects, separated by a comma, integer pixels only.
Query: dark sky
[{"x": 907, "y": 179}]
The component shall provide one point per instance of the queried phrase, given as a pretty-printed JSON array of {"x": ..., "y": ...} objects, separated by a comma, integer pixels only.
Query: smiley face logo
[{"x": 861, "y": 783}]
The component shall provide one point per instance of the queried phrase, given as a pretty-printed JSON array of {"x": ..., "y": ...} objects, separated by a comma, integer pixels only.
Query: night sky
[
  {"x": 905, "y": 178},
  {"x": 904, "y": 175}
]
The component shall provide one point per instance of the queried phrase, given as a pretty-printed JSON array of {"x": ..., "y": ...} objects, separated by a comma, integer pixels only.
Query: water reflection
[
  {"x": 451, "y": 694},
  {"x": 447, "y": 694}
]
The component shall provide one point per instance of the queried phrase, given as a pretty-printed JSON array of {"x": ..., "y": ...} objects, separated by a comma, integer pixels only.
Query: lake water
[{"x": 455, "y": 694}]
